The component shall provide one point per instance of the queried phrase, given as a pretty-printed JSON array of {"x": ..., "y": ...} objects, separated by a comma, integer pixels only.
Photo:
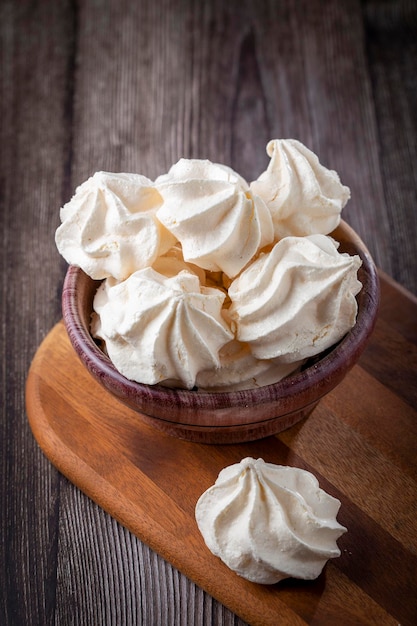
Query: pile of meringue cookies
[{"x": 209, "y": 282}]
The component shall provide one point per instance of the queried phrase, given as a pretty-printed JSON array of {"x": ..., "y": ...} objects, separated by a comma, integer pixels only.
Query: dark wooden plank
[
  {"x": 37, "y": 45},
  {"x": 391, "y": 42}
]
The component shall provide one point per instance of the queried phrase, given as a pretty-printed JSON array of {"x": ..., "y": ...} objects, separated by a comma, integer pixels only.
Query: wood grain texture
[
  {"x": 132, "y": 86},
  {"x": 150, "y": 482}
]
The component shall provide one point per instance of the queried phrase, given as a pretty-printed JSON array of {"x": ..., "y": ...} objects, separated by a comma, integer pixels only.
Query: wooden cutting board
[{"x": 360, "y": 442}]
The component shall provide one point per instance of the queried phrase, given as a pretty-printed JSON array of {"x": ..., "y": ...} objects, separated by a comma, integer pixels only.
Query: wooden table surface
[{"x": 133, "y": 86}]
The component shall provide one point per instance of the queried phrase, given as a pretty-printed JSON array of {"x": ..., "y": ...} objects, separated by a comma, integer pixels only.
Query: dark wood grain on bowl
[{"x": 226, "y": 416}]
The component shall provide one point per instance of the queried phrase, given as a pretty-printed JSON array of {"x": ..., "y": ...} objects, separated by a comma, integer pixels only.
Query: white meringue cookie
[
  {"x": 173, "y": 263},
  {"x": 269, "y": 522},
  {"x": 109, "y": 227},
  {"x": 159, "y": 329},
  {"x": 297, "y": 300},
  {"x": 191, "y": 169},
  {"x": 209, "y": 208},
  {"x": 304, "y": 197},
  {"x": 239, "y": 370}
]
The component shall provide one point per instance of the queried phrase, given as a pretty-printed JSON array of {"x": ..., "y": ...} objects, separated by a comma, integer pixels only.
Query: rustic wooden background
[{"x": 133, "y": 86}]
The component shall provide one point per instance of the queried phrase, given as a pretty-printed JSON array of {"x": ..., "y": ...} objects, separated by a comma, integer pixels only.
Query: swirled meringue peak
[
  {"x": 304, "y": 197},
  {"x": 109, "y": 227},
  {"x": 209, "y": 208},
  {"x": 160, "y": 329},
  {"x": 296, "y": 300},
  {"x": 268, "y": 522}
]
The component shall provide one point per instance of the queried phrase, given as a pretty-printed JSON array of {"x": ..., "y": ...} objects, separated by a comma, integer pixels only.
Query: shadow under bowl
[{"x": 236, "y": 416}]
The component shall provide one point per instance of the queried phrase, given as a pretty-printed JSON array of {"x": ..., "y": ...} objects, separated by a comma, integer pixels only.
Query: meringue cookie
[
  {"x": 304, "y": 197},
  {"x": 297, "y": 300},
  {"x": 239, "y": 370},
  {"x": 173, "y": 263},
  {"x": 159, "y": 329},
  {"x": 268, "y": 522},
  {"x": 109, "y": 227},
  {"x": 189, "y": 169},
  {"x": 209, "y": 208}
]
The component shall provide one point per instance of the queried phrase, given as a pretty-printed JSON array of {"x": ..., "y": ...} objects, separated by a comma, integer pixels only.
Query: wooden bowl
[{"x": 226, "y": 417}]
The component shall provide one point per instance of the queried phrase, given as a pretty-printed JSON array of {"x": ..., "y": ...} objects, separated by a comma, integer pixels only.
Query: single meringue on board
[
  {"x": 109, "y": 227},
  {"x": 209, "y": 208},
  {"x": 160, "y": 329},
  {"x": 296, "y": 300},
  {"x": 304, "y": 197},
  {"x": 268, "y": 522}
]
